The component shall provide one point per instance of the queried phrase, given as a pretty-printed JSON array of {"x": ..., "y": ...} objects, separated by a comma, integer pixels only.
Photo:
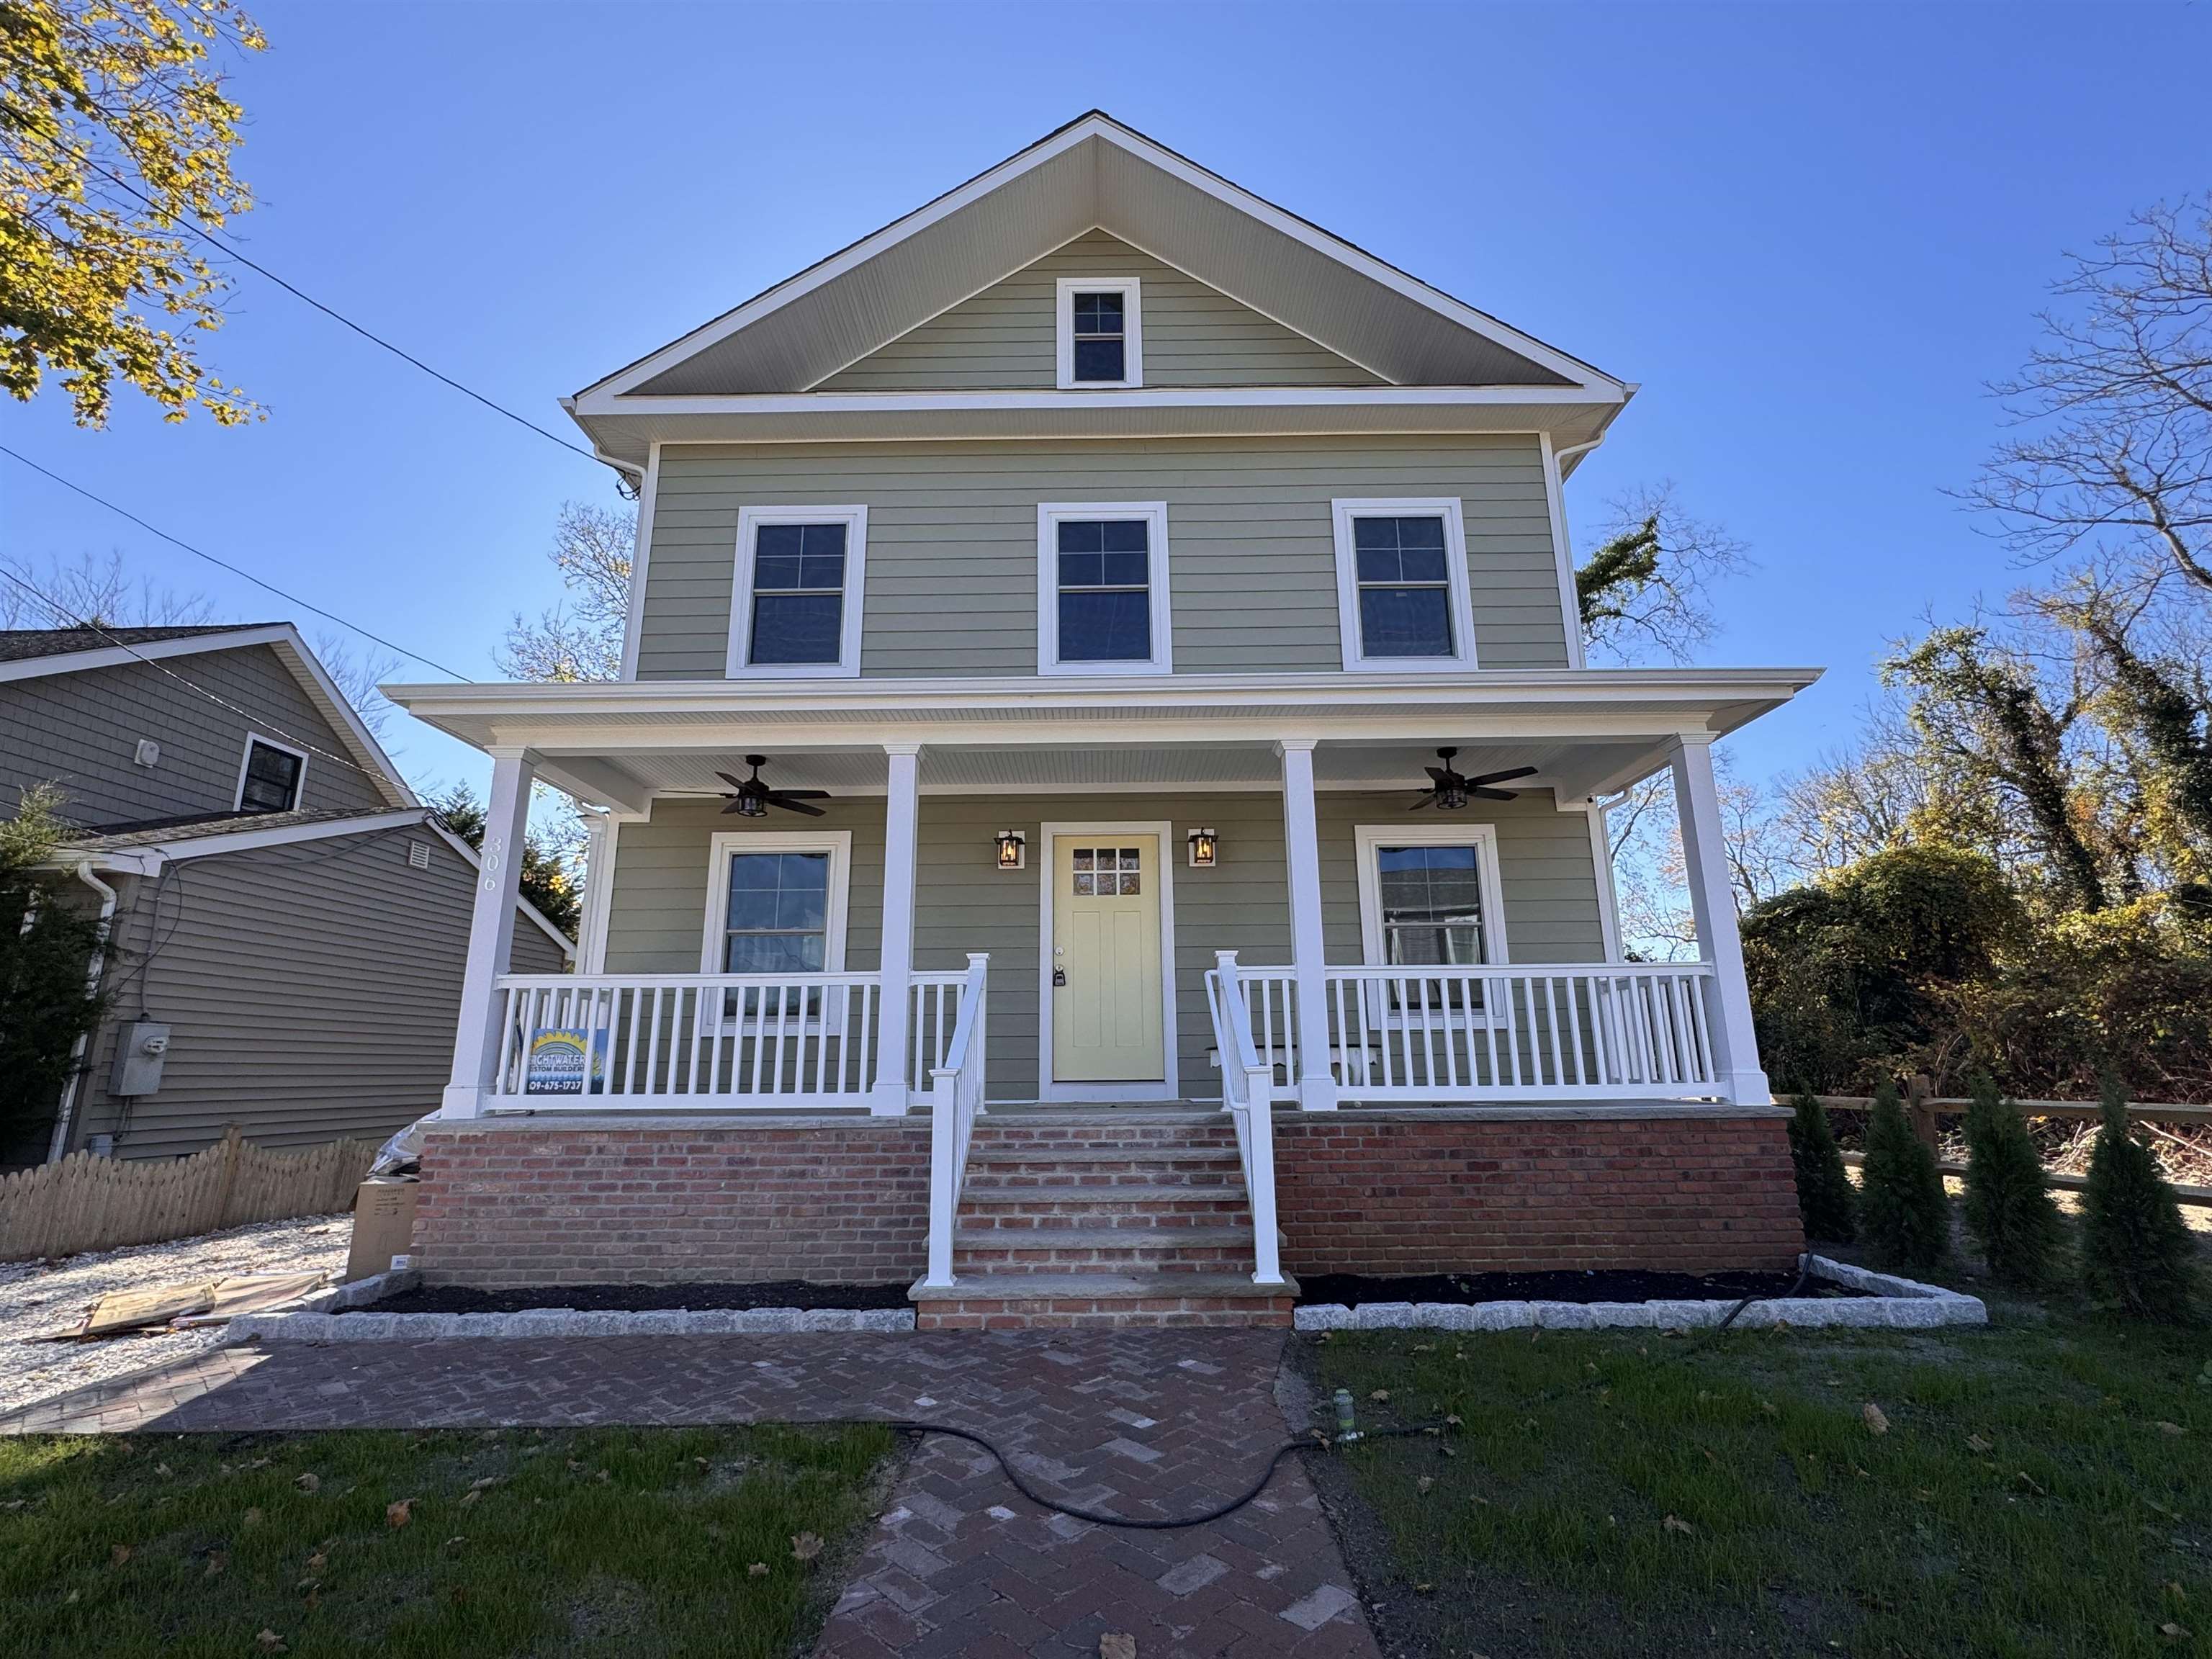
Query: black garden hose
[{"x": 1099, "y": 1517}]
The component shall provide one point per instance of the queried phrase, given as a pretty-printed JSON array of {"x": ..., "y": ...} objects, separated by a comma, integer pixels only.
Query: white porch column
[
  {"x": 1712, "y": 901},
  {"x": 491, "y": 932},
  {"x": 902, "y": 811},
  {"x": 1301, "y": 844}
]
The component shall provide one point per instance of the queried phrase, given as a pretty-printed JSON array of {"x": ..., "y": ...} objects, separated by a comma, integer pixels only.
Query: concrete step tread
[
  {"x": 1134, "y": 1193},
  {"x": 1104, "y": 1287},
  {"x": 1103, "y": 1238},
  {"x": 987, "y": 1152}
]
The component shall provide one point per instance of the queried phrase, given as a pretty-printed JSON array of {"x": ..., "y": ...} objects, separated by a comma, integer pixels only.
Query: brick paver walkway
[{"x": 1135, "y": 1422}]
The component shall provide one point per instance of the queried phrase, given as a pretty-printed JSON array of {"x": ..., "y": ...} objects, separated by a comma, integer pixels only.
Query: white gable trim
[
  {"x": 293, "y": 651},
  {"x": 1104, "y": 128}
]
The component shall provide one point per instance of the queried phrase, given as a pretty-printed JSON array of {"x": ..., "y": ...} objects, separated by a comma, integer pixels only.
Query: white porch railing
[
  {"x": 1248, "y": 1091},
  {"x": 955, "y": 1097},
  {"x": 774, "y": 1042},
  {"x": 1512, "y": 1031}
]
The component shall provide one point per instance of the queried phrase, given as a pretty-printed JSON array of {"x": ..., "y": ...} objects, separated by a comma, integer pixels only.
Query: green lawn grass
[
  {"x": 607, "y": 1541},
  {"x": 2043, "y": 1487}
]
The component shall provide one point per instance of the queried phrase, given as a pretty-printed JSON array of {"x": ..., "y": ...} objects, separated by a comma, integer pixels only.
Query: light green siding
[
  {"x": 1004, "y": 338},
  {"x": 965, "y": 903},
  {"x": 952, "y": 544}
]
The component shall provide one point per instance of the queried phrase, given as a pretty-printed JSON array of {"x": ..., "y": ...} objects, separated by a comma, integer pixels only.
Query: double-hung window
[
  {"x": 1102, "y": 588},
  {"x": 775, "y": 905},
  {"x": 1403, "y": 584},
  {"x": 1101, "y": 330},
  {"x": 1429, "y": 898},
  {"x": 270, "y": 776},
  {"x": 795, "y": 604}
]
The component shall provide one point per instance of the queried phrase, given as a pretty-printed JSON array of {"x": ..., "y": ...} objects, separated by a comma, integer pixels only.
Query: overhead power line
[
  {"x": 289, "y": 599},
  {"x": 336, "y": 316}
]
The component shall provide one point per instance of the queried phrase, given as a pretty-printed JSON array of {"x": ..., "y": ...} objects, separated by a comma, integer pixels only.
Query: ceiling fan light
[
  {"x": 1450, "y": 797},
  {"x": 751, "y": 806}
]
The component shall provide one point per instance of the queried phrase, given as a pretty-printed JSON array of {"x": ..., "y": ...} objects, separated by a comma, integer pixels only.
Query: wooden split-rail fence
[{"x": 87, "y": 1203}]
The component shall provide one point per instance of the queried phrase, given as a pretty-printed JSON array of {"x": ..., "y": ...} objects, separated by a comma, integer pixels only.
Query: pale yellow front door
[{"x": 1106, "y": 959}]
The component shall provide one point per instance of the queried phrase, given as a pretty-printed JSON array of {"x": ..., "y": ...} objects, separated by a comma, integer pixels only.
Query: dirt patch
[
  {"x": 639, "y": 1298},
  {"x": 1352, "y": 1289}
]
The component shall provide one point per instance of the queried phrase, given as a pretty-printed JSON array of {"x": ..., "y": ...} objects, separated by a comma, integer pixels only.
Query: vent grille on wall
[{"x": 418, "y": 854}]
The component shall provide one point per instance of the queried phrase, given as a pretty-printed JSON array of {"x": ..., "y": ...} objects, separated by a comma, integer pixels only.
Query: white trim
[
  {"x": 1563, "y": 551},
  {"x": 838, "y": 843},
  {"x": 1483, "y": 837},
  {"x": 603, "y": 834},
  {"x": 1133, "y": 328},
  {"x": 1136, "y": 398},
  {"x": 1097, "y": 125},
  {"x": 1608, "y": 896},
  {"x": 1155, "y": 513},
  {"x": 246, "y": 760},
  {"x": 1171, "y": 1088},
  {"x": 640, "y": 560},
  {"x": 1458, "y": 600},
  {"x": 751, "y": 519}
]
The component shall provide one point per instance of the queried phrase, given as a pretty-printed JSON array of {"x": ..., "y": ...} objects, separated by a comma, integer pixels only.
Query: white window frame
[
  {"x": 837, "y": 843},
  {"x": 749, "y": 522},
  {"x": 1370, "y": 838},
  {"x": 1133, "y": 329},
  {"x": 1155, "y": 513},
  {"x": 1458, "y": 600},
  {"x": 245, "y": 759}
]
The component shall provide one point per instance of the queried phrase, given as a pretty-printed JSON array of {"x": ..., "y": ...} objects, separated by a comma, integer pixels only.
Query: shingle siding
[{"x": 81, "y": 730}]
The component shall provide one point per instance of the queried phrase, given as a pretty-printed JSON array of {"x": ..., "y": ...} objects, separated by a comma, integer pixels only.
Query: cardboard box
[{"x": 383, "y": 1224}]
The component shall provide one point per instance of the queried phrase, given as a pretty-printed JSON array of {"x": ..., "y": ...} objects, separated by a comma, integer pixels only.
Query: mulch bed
[
  {"x": 639, "y": 1298},
  {"x": 1352, "y": 1289}
]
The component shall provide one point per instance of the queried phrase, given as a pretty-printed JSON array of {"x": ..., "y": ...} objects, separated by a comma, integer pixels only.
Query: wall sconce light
[
  {"x": 1013, "y": 850},
  {"x": 1205, "y": 848}
]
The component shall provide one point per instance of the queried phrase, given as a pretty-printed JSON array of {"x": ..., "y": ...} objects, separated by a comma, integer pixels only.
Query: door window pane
[
  {"x": 799, "y": 594},
  {"x": 1104, "y": 575},
  {"x": 1405, "y": 590}
]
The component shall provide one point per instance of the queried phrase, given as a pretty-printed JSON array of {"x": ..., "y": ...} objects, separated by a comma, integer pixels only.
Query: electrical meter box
[{"x": 140, "y": 1049}]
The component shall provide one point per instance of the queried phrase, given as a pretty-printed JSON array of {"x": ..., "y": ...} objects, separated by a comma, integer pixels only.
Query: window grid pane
[
  {"x": 1401, "y": 567},
  {"x": 778, "y": 918},
  {"x": 798, "y": 594},
  {"x": 272, "y": 780},
  {"x": 1104, "y": 575},
  {"x": 1100, "y": 341}
]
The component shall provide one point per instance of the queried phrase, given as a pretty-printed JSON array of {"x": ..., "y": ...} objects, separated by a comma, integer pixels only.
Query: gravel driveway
[{"x": 38, "y": 1299}]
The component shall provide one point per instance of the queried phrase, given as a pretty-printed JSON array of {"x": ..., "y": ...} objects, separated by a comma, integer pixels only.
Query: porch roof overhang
[{"x": 1589, "y": 731}]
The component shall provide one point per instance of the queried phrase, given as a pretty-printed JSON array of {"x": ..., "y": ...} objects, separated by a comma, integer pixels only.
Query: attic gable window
[
  {"x": 795, "y": 602},
  {"x": 1101, "y": 332},
  {"x": 270, "y": 776}
]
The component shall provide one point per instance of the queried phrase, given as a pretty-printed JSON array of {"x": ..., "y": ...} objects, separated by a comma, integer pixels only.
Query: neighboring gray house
[
  {"x": 278, "y": 899},
  {"x": 1102, "y": 641}
]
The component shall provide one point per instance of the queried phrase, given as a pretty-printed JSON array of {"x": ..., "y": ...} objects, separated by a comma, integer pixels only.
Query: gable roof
[
  {"x": 36, "y": 653},
  {"x": 1095, "y": 172}
]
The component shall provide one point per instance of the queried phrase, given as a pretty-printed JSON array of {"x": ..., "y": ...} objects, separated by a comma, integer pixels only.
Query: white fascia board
[
  {"x": 1106, "y": 129},
  {"x": 598, "y": 404},
  {"x": 342, "y": 715},
  {"x": 252, "y": 840}
]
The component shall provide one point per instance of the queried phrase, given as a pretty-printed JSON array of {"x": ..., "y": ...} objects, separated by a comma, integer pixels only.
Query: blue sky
[{"x": 1813, "y": 233}]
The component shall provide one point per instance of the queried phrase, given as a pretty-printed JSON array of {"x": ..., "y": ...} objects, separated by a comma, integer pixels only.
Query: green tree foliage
[
  {"x": 1826, "y": 1202},
  {"x": 47, "y": 944},
  {"x": 545, "y": 880},
  {"x": 1903, "y": 1213},
  {"x": 2136, "y": 1255},
  {"x": 2008, "y": 1208},
  {"x": 114, "y": 136}
]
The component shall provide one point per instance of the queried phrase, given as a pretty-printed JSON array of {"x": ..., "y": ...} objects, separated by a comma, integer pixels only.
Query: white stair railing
[
  {"x": 955, "y": 1097},
  {"x": 1247, "y": 1092}
]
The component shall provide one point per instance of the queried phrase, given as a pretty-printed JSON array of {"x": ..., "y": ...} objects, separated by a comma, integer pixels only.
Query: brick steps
[{"x": 1091, "y": 1219}]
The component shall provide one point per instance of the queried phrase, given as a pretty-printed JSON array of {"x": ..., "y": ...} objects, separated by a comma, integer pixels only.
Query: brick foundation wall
[
  {"x": 1444, "y": 1192},
  {"x": 505, "y": 1205}
]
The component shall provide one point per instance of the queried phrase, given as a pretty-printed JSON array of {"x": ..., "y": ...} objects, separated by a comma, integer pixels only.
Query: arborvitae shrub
[
  {"x": 2008, "y": 1208},
  {"x": 1824, "y": 1199},
  {"x": 2136, "y": 1252},
  {"x": 1903, "y": 1213}
]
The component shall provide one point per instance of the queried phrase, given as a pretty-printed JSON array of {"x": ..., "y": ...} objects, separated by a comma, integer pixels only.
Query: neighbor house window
[
  {"x": 1429, "y": 898},
  {"x": 775, "y": 905},
  {"x": 269, "y": 777},
  {"x": 795, "y": 606},
  {"x": 1101, "y": 332},
  {"x": 1102, "y": 588},
  {"x": 1403, "y": 584}
]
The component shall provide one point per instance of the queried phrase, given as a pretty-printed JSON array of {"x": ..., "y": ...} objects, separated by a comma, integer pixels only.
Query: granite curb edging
[
  {"x": 1891, "y": 1303},
  {"x": 539, "y": 1324}
]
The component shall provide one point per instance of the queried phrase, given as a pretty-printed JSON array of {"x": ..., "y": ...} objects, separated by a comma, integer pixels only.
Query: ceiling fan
[
  {"x": 1450, "y": 791},
  {"x": 754, "y": 798}
]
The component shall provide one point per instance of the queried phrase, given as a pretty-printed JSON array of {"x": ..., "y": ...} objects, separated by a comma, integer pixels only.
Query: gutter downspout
[{"x": 59, "y": 1144}]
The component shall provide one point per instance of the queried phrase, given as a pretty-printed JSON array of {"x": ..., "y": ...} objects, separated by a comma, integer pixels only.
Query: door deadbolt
[{"x": 1059, "y": 977}]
